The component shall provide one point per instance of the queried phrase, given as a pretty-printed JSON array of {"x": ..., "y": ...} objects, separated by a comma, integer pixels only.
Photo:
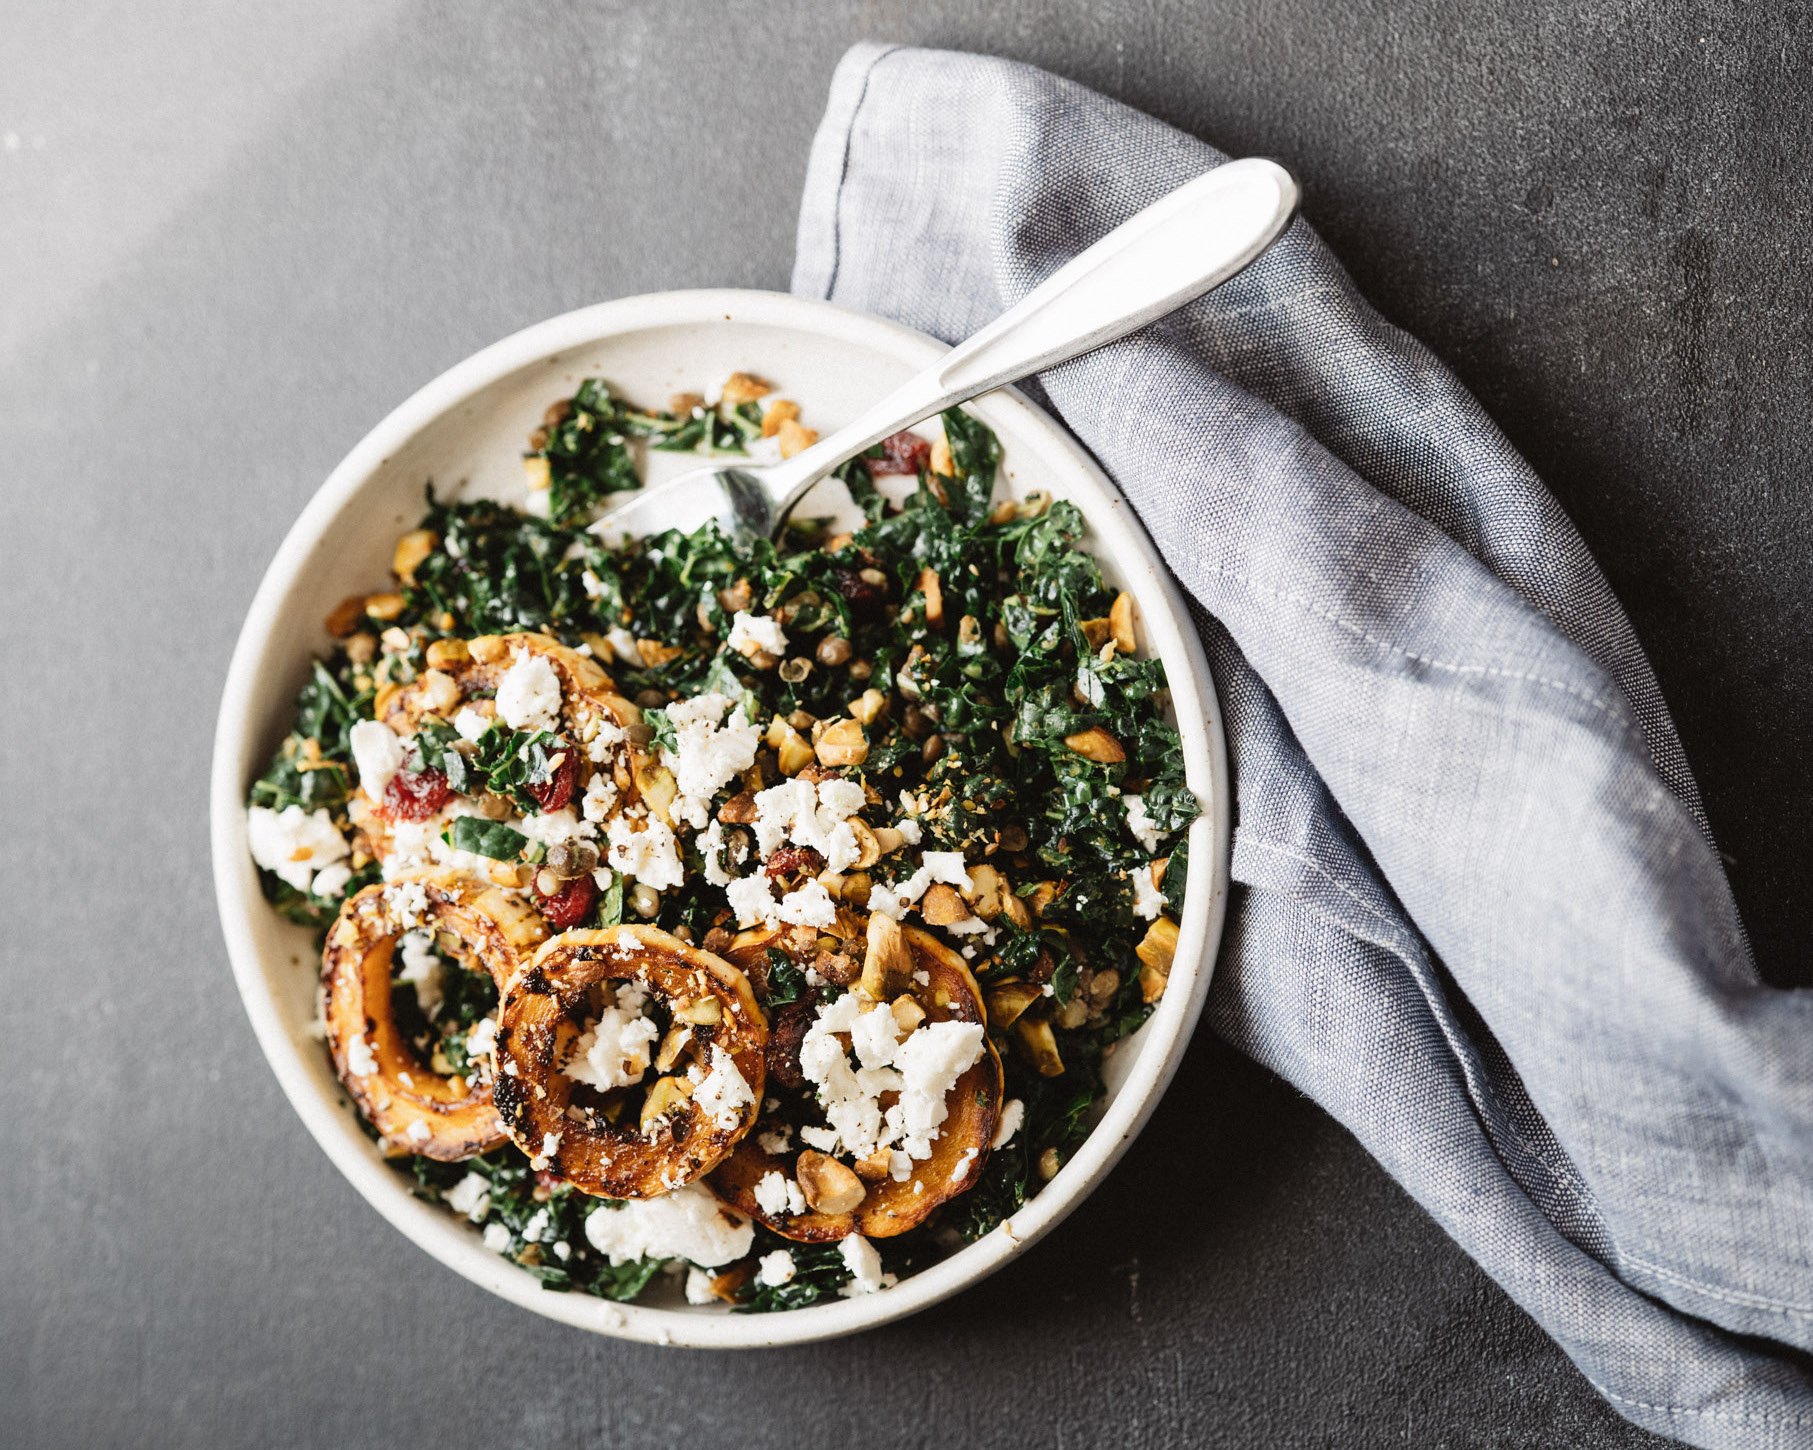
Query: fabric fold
[{"x": 1478, "y": 916}]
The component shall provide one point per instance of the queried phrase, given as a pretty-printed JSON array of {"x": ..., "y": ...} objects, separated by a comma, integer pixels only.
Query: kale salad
[{"x": 742, "y": 922}]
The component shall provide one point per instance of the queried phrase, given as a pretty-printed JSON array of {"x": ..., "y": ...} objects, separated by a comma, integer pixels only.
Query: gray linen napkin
[{"x": 1477, "y": 914}]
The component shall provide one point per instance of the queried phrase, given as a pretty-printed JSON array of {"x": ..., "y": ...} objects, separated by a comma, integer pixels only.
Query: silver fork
[{"x": 1184, "y": 244}]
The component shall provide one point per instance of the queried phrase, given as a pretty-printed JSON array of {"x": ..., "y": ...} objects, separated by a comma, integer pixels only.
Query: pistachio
[
  {"x": 908, "y": 1014},
  {"x": 1120, "y": 620},
  {"x": 795, "y": 670},
  {"x": 1073, "y": 1014},
  {"x": 928, "y": 585},
  {"x": 1050, "y": 1161},
  {"x": 986, "y": 891},
  {"x": 703, "y": 1012},
  {"x": 793, "y": 754},
  {"x": 829, "y": 1186}
]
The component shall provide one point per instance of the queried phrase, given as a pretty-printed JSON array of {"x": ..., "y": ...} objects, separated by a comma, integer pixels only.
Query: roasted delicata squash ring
[
  {"x": 472, "y": 668},
  {"x": 612, "y": 1146},
  {"x": 415, "y": 1109},
  {"x": 890, "y": 1207}
]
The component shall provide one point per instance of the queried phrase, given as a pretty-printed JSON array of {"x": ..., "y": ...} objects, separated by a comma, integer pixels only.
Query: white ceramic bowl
[{"x": 466, "y": 429}]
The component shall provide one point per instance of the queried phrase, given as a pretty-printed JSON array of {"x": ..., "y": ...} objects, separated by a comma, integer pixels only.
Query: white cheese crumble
[
  {"x": 1013, "y": 1113},
  {"x": 775, "y": 1142},
  {"x": 481, "y": 1041},
  {"x": 723, "y": 1092},
  {"x": 775, "y": 1269},
  {"x": 1148, "y": 900},
  {"x": 920, "y": 1068},
  {"x": 709, "y": 752},
  {"x": 698, "y": 1287},
  {"x": 777, "y": 1195},
  {"x": 470, "y": 1196},
  {"x": 961, "y": 1166},
  {"x": 421, "y": 969},
  {"x": 528, "y": 696},
  {"x": 1140, "y": 823},
  {"x": 934, "y": 866},
  {"x": 814, "y": 815},
  {"x": 649, "y": 855},
  {"x": 360, "y": 1060},
  {"x": 753, "y": 900},
  {"x": 497, "y": 1238},
  {"x": 752, "y": 632},
  {"x": 418, "y": 1132},
  {"x": 331, "y": 880},
  {"x": 469, "y": 724},
  {"x": 378, "y": 753},
  {"x": 294, "y": 844},
  {"x": 408, "y": 902},
  {"x": 864, "y": 1264},
  {"x": 600, "y": 795},
  {"x": 614, "y": 1051},
  {"x": 688, "y": 1223}
]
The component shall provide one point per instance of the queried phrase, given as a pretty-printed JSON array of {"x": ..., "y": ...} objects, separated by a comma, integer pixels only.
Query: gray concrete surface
[{"x": 231, "y": 237}]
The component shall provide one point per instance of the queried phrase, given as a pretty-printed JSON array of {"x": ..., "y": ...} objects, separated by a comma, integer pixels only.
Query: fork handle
[{"x": 1184, "y": 244}]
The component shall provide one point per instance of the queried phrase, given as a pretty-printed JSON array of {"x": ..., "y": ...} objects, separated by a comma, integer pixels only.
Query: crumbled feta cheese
[
  {"x": 935, "y": 866},
  {"x": 600, "y": 795},
  {"x": 752, "y": 632},
  {"x": 1144, "y": 830},
  {"x": 378, "y": 753},
  {"x": 497, "y": 1238},
  {"x": 550, "y": 1144},
  {"x": 330, "y": 881},
  {"x": 919, "y": 1069},
  {"x": 910, "y": 830},
  {"x": 775, "y": 1269},
  {"x": 698, "y": 1287},
  {"x": 481, "y": 1041},
  {"x": 563, "y": 1250},
  {"x": 606, "y": 738},
  {"x": 688, "y": 1223},
  {"x": 864, "y": 1264},
  {"x": 752, "y": 899},
  {"x": 614, "y": 1051},
  {"x": 623, "y": 644},
  {"x": 360, "y": 1060},
  {"x": 528, "y": 695},
  {"x": 775, "y": 1142},
  {"x": 711, "y": 852},
  {"x": 294, "y": 844},
  {"x": 961, "y": 1166},
  {"x": 1013, "y": 1113},
  {"x": 1148, "y": 900},
  {"x": 777, "y": 1195},
  {"x": 408, "y": 902},
  {"x": 421, "y": 969},
  {"x": 469, "y": 724},
  {"x": 649, "y": 855},
  {"x": 709, "y": 752},
  {"x": 814, "y": 815},
  {"x": 724, "y": 1092},
  {"x": 823, "y": 1139},
  {"x": 418, "y": 1132},
  {"x": 470, "y": 1196},
  {"x": 553, "y": 828},
  {"x": 592, "y": 584}
]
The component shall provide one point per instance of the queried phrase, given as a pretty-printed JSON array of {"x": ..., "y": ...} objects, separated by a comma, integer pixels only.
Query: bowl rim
[{"x": 1119, "y": 539}]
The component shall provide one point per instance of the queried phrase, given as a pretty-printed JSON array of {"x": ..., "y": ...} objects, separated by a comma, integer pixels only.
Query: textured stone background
[{"x": 232, "y": 236}]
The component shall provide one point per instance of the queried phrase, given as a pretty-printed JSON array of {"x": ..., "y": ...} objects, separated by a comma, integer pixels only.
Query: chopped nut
[
  {"x": 1015, "y": 910},
  {"x": 1041, "y": 896},
  {"x": 1120, "y": 618},
  {"x": 411, "y": 549},
  {"x": 782, "y": 411},
  {"x": 876, "y": 1166},
  {"x": 868, "y": 706},
  {"x": 740, "y": 388},
  {"x": 828, "y": 1185},
  {"x": 908, "y": 1014},
  {"x": 704, "y": 1012},
  {"x": 537, "y": 473},
  {"x": 1040, "y": 1045},
  {"x": 1050, "y": 1161},
  {"x": 386, "y": 606},
  {"x": 657, "y": 786},
  {"x": 446, "y": 654},
  {"x": 1102, "y": 987},
  {"x": 941, "y": 461},
  {"x": 887, "y": 840},
  {"x": 739, "y": 810},
  {"x": 1096, "y": 631},
  {"x": 928, "y": 585},
  {"x": 683, "y": 405},
  {"x": 793, "y": 754},
  {"x": 1009, "y": 1001},
  {"x": 795, "y": 439},
  {"x": 866, "y": 844},
  {"x": 655, "y": 654},
  {"x": 438, "y": 692},
  {"x": 1156, "y": 951},
  {"x": 986, "y": 891},
  {"x": 346, "y": 616},
  {"x": 887, "y": 966},
  {"x": 645, "y": 901},
  {"x": 678, "y": 1039},
  {"x": 668, "y": 1095},
  {"x": 842, "y": 744},
  {"x": 1073, "y": 1014},
  {"x": 1096, "y": 744},
  {"x": 941, "y": 905},
  {"x": 488, "y": 649},
  {"x": 361, "y": 647}
]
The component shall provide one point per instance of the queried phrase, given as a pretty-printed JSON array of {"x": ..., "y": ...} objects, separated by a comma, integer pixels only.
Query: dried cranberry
[
  {"x": 901, "y": 453},
  {"x": 789, "y": 860},
  {"x": 859, "y": 593},
  {"x": 787, "y": 1030},
  {"x": 415, "y": 795},
  {"x": 571, "y": 904},
  {"x": 557, "y": 790}
]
